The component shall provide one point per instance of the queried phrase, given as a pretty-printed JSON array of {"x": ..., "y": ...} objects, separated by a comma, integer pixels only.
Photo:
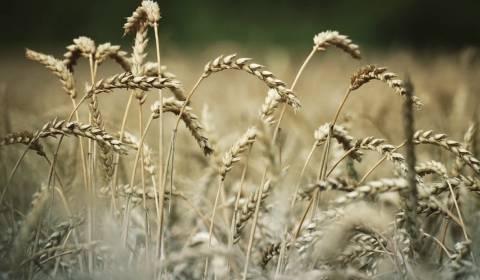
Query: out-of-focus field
[{"x": 30, "y": 96}]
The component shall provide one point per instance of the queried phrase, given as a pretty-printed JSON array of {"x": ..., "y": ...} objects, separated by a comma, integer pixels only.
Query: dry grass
[{"x": 373, "y": 193}]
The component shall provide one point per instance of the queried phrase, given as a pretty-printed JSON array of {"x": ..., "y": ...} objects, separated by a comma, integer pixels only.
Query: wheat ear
[{"x": 58, "y": 69}]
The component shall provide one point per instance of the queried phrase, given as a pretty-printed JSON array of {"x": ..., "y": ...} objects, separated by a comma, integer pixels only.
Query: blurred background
[
  {"x": 193, "y": 24},
  {"x": 433, "y": 41}
]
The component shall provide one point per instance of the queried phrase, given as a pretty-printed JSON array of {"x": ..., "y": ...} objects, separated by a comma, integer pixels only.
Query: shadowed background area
[{"x": 193, "y": 24}]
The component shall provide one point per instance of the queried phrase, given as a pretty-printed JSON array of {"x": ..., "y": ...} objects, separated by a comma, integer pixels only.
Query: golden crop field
[{"x": 118, "y": 162}]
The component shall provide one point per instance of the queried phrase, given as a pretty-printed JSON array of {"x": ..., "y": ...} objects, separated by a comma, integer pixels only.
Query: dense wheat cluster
[{"x": 148, "y": 175}]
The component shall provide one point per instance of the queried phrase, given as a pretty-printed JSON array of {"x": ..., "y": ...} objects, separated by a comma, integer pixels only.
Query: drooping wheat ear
[
  {"x": 190, "y": 119},
  {"x": 108, "y": 50},
  {"x": 337, "y": 184},
  {"x": 372, "y": 72},
  {"x": 232, "y": 62},
  {"x": 270, "y": 105},
  {"x": 328, "y": 38},
  {"x": 61, "y": 127},
  {"x": 151, "y": 70},
  {"x": 428, "y": 190},
  {"x": 152, "y": 11},
  {"x": 128, "y": 81},
  {"x": 468, "y": 142},
  {"x": 341, "y": 135},
  {"x": 233, "y": 155},
  {"x": 23, "y": 137},
  {"x": 136, "y": 192},
  {"x": 248, "y": 209},
  {"x": 82, "y": 46},
  {"x": 457, "y": 148},
  {"x": 387, "y": 150},
  {"x": 363, "y": 253},
  {"x": 147, "y": 13},
  {"x": 54, "y": 240},
  {"x": 373, "y": 188},
  {"x": 57, "y": 67},
  {"x": 135, "y": 21},
  {"x": 270, "y": 252},
  {"x": 471, "y": 183},
  {"x": 431, "y": 167}
]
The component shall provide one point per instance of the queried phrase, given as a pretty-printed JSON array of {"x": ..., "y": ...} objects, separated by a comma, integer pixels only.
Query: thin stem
[
  {"x": 212, "y": 222},
  {"x": 378, "y": 164},
  {"x": 304, "y": 168},
  {"x": 160, "y": 152},
  {"x": 254, "y": 225},
  {"x": 132, "y": 178},
  {"x": 117, "y": 156},
  {"x": 142, "y": 173},
  {"x": 294, "y": 83}
]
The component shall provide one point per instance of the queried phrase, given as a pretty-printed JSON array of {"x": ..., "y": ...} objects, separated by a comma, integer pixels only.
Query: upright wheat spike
[
  {"x": 230, "y": 157},
  {"x": 234, "y": 153},
  {"x": 468, "y": 142}
]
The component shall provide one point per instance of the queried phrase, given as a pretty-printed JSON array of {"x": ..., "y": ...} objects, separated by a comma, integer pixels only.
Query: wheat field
[{"x": 119, "y": 163}]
